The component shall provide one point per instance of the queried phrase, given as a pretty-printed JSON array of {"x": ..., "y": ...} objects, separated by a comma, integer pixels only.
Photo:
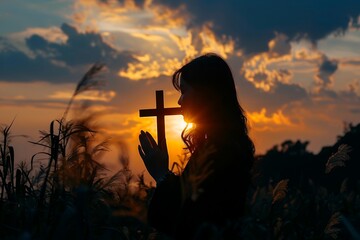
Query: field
[{"x": 295, "y": 194}]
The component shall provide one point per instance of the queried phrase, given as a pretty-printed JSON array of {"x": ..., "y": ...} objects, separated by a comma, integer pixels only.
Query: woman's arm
[
  {"x": 166, "y": 199},
  {"x": 165, "y": 204}
]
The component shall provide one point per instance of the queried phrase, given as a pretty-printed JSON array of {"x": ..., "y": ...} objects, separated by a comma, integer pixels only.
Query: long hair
[{"x": 223, "y": 119}]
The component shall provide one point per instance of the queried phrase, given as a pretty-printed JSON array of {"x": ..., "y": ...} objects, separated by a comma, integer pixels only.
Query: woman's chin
[{"x": 186, "y": 119}]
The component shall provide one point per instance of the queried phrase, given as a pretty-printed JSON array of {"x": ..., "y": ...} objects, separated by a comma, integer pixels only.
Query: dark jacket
[{"x": 210, "y": 191}]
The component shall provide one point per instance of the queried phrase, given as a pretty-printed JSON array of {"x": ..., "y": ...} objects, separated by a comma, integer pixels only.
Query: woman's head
[
  {"x": 207, "y": 86},
  {"x": 209, "y": 100}
]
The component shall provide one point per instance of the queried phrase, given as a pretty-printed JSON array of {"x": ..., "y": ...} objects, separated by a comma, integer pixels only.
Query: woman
[{"x": 211, "y": 190}]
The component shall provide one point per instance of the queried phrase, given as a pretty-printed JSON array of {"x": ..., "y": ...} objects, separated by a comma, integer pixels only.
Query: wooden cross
[{"x": 160, "y": 112}]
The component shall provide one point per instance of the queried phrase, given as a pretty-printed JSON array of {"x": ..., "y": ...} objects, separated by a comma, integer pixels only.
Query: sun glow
[
  {"x": 176, "y": 147},
  {"x": 176, "y": 124}
]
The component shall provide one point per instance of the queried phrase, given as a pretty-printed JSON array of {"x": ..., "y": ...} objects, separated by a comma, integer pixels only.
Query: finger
[
  {"x": 142, "y": 155},
  {"x": 152, "y": 140},
  {"x": 145, "y": 143}
]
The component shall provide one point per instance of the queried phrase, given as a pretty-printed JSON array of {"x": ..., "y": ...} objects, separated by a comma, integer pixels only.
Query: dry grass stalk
[
  {"x": 332, "y": 228},
  {"x": 88, "y": 82},
  {"x": 280, "y": 190},
  {"x": 339, "y": 158}
]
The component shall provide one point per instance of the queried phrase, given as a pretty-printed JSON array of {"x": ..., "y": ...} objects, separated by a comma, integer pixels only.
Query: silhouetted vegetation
[
  {"x": 301, "y": 195},
  {"x": 64, "y": 192}
]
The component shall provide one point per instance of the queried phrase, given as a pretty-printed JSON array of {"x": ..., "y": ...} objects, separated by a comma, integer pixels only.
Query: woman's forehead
[{"x": 183, "y": 83}]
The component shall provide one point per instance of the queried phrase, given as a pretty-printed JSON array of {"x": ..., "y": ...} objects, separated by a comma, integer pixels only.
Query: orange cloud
[
  {"x": 138, "y": 71},
  {"x": 265, "y": 69},
  {"x": 52, "y": 34},
  {"x": 147, "y": 68},
  {"x": 147, "y": 37},
  {"x": 259, "y": 119},
  {"x": 165, "y": 16},
  {"x": 185, "y": 44},
  {"x": 113, "y": 15},
  {"x": 161, "y": 32},
  {"x": 257, "y": 72},
  {"x": 103, "y": 96},
  {"x": 210, "y": 43}
]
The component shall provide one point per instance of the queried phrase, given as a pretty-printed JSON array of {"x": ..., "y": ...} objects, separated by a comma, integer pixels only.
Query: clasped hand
[{"x": 156, "y": 159}]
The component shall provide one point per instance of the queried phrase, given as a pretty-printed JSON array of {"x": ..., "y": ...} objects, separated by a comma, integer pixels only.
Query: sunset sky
[{"x": 295, "y": 63}]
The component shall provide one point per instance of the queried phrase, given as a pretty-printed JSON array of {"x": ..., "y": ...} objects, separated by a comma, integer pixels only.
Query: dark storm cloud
[
  {"x": 79, "y": 49},
  {"x": 17, "y": 66},
  {"x": 254, "y": 22},
  {"x": 351, "y": 62},
  {"x": 355, "y": 110},
  {"x": 326, "y": 70},
  {"x": 138, "y": 3},
  {"x": 59, "y": 62},
  {"x": 281, "y": 94},
  {"x": 38, "y": 103},
  {"x": 326, "y": 93}
]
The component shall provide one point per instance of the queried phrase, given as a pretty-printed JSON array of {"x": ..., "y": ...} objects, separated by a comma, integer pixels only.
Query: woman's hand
[{"x": 156, "y": 159}]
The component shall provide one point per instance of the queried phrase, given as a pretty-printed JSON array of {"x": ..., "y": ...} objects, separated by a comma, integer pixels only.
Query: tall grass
[
  {"x": 7, "y": 160},
  {"x": 65, "y": 191}
]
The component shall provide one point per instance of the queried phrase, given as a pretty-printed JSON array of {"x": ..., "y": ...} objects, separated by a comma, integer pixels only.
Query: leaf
[
  {"x": 280, "y": 190},
  {"x": 339, "y": 158}
]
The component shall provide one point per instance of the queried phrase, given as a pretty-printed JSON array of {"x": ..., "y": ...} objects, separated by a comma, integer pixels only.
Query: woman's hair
[{"x": 222, "y": 117}]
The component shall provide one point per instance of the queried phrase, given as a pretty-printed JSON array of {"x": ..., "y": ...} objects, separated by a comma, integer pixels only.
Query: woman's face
[{"x": 187, "y": 101}]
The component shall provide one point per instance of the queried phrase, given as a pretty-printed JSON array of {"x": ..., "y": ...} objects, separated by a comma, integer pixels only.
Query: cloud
[
  {"x": 51, "y": 34},
  {"x": 58, "y": 61},
  {"x": 281, "y": 91},
  {"x": 354, "y": 87},
  {"x": 79, "y": 49},
  {"x": 149, "y": 69},
  {"x": 100, "y": 96},
  {"x": 148, "y": 39},
  {"x": 254, "y": 22},
  {"x": 49, "y": 95},
  {"x": 185, "y": 44},
  {"x": 326, "y": 70},
  {"x": 266, "y": 79},
  {"x": 355, "y": 110},
  {"x": 280, "y": 95},
  {"x": 159, "y": 32},
  {"x": 351, "y": 62},
  {"x": 17, "y": 66},
  {"x": 210, "y": 43},
  {"x": 256, "y": 68},
  {"x": 259, "y": 120},
  {"x": 279, "y": 46}
]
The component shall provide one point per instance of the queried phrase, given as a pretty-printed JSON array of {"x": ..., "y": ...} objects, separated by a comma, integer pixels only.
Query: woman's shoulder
[
  {"x": 232, "y": 149},
  {"x": 226, "y": 155}
]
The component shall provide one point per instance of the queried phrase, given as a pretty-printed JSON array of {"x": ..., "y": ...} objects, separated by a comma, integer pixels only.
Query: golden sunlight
[{"x": 176, "y": 124}]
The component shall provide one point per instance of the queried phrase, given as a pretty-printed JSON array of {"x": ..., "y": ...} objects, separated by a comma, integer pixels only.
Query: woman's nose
[{"x": 180, "y": 100}]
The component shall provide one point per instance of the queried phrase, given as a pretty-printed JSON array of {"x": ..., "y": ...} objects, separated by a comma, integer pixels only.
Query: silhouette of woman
[{"x": 212, "y": 188}]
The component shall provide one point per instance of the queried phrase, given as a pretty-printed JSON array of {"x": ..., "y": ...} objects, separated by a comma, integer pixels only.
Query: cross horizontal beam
[
  {"x": 160, "y": 112},
  {"x": 167, "y": 111}
]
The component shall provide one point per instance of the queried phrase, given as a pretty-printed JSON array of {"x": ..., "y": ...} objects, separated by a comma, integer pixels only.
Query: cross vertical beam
[
  {"x": 160, "y": 116},
  {"x": 160, "y": 112}
]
